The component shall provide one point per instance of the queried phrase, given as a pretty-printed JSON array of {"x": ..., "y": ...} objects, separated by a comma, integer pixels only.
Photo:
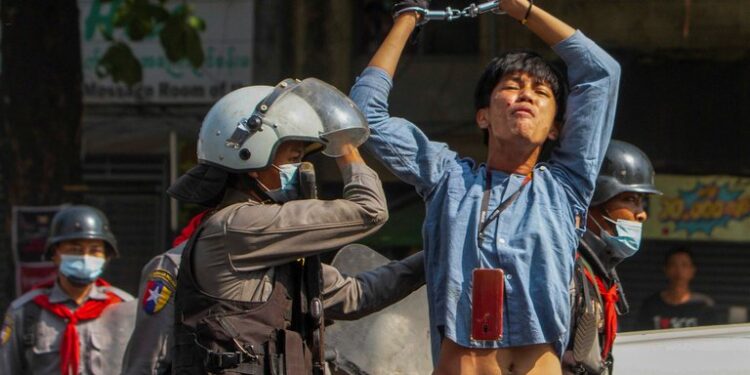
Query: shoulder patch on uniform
[
  {"x": 159, "y": 289},
  {"x": 6, "y": 332}
]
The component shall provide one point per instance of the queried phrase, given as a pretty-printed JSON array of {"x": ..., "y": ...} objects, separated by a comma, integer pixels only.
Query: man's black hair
[
  {"x": 521, "y": 61},
  {"x": 679, "y": 250}
]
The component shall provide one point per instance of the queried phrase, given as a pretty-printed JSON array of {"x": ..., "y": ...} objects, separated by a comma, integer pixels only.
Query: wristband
[{"x": 528, "y": 12}]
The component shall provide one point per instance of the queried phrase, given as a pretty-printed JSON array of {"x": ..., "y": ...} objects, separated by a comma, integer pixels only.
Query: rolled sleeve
[
  {"x": 395, "y": 142},
  {"x": 594, "y": 78}
]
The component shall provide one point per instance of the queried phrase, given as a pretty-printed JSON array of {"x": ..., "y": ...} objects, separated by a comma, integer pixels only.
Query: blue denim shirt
[{"x": 535, "y": 238}]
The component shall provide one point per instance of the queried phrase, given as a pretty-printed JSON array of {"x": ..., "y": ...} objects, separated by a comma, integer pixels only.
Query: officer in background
[
  {"x": 78, "y": 323},
  {"x": 148, "y": 351},
  {"x": 251, "y": 290},
  {"x": 614, "y": 223}
]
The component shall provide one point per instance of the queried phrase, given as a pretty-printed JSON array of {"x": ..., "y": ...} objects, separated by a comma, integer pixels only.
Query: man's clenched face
[{"x": 521, "y": 112}]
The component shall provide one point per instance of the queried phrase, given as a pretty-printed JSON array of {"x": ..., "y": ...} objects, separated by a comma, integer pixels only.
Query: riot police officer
[
  {"x": 149, "y": 348},
  {"x": 78, "y": 323},
  {"x": 614, "y": 223},
  {"x": 251, "y": 291}
]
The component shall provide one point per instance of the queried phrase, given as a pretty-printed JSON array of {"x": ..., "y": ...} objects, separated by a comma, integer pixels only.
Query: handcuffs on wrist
[{"x": 451, "y": 14}]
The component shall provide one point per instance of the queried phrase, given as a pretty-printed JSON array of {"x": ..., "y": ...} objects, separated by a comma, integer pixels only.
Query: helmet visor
[{"x": 314, "y": 102}]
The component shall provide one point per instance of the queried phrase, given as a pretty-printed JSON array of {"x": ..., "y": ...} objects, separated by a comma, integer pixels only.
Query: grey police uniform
[
  {"x": 148, "y": 350},
  {"x": 31, "y": 336},
  {"x": 241, "y": 246},
  {"x": 242, "y": 243},
  {"x": 344, "y": 297}
]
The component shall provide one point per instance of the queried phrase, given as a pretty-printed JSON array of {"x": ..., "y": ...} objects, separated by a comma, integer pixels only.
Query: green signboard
[{"x": 228, "y": 50}]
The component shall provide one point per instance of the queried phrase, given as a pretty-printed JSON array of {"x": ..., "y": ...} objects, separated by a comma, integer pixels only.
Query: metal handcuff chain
[{"x": 451, "y": 14}]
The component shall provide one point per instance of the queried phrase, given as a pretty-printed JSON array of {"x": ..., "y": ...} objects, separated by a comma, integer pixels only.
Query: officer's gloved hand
[{"x": 419, "y": 6}]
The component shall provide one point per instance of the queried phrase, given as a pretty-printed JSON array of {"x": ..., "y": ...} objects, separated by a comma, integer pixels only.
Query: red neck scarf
[
  {"x": 610, "y": 298},
  {"x": 70, "y": 350},
  {"x": 189, "y": 229}
]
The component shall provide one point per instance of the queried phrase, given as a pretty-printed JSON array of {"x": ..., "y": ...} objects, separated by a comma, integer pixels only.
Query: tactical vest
[
  {"x": 589, "y": 325},
  {"x": 215, "y": 335}
]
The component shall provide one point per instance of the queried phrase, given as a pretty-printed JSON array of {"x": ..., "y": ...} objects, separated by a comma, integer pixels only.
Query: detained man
[{"x": 512, "y": 220}]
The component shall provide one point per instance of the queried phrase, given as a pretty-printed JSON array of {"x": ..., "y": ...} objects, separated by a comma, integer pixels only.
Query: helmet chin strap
[{"x": 256, "y": 187}]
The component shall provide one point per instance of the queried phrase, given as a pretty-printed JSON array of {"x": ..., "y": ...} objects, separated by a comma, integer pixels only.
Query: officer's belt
[
  {"x": 238, "y": 361},
  {"x": 229, "y": 360}
]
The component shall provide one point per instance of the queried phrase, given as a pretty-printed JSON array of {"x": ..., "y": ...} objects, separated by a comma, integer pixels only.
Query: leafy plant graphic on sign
[{"x": 178, "y": 32}]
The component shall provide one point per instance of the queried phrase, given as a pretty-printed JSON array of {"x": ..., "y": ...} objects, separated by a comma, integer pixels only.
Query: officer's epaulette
[
  {"x": 26, "y": 297},
  {"x": 124, "y": 296},
  {"x": 175, "y": 255}
]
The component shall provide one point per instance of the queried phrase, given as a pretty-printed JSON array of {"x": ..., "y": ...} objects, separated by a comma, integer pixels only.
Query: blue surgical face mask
[
  {"x": 289, "y": 188},
  {"x": 628, "y": 239},
  {"x": 81, "y": 269}
]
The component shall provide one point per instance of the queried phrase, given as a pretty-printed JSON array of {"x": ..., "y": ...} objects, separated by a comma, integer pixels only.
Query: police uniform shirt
[
  {"x": 240, "y": 245},
  {"x": 306, "y": 226},
  {"x": 344, "y": 297},
  {"x": 36, "y": 349},
  {"x": 148, "y": 350}
]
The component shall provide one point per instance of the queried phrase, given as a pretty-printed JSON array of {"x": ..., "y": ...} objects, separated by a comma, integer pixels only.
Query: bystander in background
[{"x": 677, "y": 306}]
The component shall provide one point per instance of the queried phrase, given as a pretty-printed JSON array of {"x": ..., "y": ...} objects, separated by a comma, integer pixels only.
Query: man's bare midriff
[{"x": 531, "y": 359}]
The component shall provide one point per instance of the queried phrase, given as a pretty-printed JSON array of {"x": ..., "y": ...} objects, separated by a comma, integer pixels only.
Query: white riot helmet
[{"x": 243, "y": 129}]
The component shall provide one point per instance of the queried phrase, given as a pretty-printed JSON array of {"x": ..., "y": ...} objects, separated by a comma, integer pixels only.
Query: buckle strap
[
  {"x": 225, "y": 360},
  {"x": 578, "y": 369},
  {"x": 214, "y": 361}
]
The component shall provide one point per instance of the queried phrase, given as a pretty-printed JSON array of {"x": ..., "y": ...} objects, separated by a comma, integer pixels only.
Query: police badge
[
  {"x": 7, "y": 331},
  {"x": 159, "y": 288}
]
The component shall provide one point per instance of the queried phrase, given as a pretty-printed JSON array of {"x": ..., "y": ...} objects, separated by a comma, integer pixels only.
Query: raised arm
[
  {"x": 265, "y": 235},
  {"x": 389, "y": 53},
  {"x": 397, "y": 143},
  {"x": 351, "y": 156},
  {"x": 546, "y": 26},
  {"x": 593, "y": 78}
]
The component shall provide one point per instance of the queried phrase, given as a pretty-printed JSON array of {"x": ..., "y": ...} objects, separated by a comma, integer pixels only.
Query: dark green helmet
[
  {"x": 625, "y": 169},
  {"x": 80, "y": 222}
]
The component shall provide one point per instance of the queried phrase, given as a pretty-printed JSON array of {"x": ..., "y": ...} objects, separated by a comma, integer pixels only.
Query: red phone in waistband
[{"x": 488, "y": 287}]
